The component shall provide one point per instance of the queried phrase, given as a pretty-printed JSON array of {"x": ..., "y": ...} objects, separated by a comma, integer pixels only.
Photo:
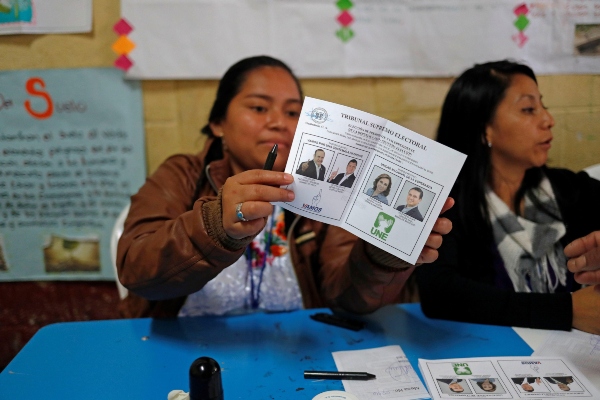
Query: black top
[{"x": 469, "y": 283}]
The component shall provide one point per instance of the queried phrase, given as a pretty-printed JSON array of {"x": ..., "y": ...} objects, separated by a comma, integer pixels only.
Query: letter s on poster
[{"x": 30, "y": 87}]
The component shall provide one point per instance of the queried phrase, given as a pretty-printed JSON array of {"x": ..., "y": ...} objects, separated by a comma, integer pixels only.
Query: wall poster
[{"x": 71, "y": 154}]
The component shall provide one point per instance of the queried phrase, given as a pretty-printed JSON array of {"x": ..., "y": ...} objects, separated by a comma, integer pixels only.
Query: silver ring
[{"x": 239, "y": 213}]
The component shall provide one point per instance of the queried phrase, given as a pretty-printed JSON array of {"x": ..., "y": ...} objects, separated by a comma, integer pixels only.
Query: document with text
[
  {"x": 396, "y": 378},
  {"x": 370, "y": 176},
  {"x": 505, "y": 378}
]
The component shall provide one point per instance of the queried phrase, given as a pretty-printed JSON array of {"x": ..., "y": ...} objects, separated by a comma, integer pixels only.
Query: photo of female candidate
[
  {"x": 504, "y": 261},
  {"x": 487, "y": 385},
  {"x": 381, "y": 188},
  {"x": 202, "y": 236}
]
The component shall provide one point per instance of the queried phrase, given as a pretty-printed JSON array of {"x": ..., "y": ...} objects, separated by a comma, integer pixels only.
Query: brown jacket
[{"x": 173, "y": 244}]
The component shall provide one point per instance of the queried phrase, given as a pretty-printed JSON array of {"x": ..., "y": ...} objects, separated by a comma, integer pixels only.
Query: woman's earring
[{"x": 489, "y": 144}]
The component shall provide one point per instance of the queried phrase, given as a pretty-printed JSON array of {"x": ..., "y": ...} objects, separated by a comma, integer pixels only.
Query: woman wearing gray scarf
[{"x": 504, "y": 262}]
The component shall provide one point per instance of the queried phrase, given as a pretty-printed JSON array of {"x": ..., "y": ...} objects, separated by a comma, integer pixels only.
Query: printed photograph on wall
[
  {"x": 62, "y": 254},
  {"x": 587, "y": 39},
  {"x": 15, "y": 11}
]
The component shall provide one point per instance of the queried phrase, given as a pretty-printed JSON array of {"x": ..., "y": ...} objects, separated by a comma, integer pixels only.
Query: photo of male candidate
[
  {"x": 529, "y": 384},
  {"x": 313, "y": 168},
  {"x": 414, "y": 201},
  {"x": 562, "y": 383},
  {"x": 450, "y": 386},
  {"x": 345, "y": 179}
]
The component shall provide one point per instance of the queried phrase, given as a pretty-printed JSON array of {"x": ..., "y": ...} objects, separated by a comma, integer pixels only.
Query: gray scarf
[{"x": 529, "y": 246}]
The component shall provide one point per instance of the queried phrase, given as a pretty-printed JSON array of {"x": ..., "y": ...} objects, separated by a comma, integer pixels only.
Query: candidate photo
[
  {"x": 313, "y": 168},
  {"x": 380, "y": 190},
  {"x": 529, "y": 384},
  {"x": 451, "y": 386},
  {"x": 345, "y": 178},
  {"x": 414, "y": 201},
  {"x": 487, "y": 385}
]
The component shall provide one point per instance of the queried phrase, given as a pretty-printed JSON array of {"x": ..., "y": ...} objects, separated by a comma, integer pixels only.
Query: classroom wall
[{"x": 174, "y": 112}]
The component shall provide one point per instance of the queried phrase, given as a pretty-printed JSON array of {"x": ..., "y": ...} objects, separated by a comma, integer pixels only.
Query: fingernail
[
  {"x": 288, "y": 177},
  {"x": 291, "y": 195}
]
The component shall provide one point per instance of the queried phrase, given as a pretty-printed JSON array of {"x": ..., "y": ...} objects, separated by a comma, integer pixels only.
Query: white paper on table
[
  {"x": 396, "y": 378},
  {"x": 513, "y": 377},
  {"x": 378, "y": 146},
  {"x": 580, "y": 348}
]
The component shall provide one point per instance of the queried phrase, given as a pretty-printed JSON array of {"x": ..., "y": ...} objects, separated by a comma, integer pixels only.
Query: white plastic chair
[
  {"x": 593, "y": 171},
  {"x": 114, "y": 240}
]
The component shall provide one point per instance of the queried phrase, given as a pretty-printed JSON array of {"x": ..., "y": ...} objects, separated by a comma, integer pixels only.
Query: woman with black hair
[
  {"x": 504, "y": 261},
  {"x": 202, "y": 237},
  {"x": 381, "y": 188}
]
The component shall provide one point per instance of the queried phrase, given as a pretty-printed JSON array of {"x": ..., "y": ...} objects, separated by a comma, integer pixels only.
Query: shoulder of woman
[{"x": 568, "y": 180}]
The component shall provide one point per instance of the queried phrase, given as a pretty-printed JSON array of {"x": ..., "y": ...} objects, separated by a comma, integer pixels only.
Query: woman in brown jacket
[{"x": 202, "y": 236}]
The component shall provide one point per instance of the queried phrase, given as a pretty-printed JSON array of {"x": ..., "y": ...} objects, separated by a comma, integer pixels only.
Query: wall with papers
[{"x": 328, "y": 38}]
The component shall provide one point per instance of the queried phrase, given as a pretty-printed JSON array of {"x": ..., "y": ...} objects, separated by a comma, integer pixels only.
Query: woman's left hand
[
  {"x": 255, "y": 190},
  {"x": 441, "y": 227},
  {"x": 584, "y": 254}
]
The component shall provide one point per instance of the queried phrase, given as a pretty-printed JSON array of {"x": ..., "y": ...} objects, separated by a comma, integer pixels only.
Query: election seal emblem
[{"x": 318, "y": 115}]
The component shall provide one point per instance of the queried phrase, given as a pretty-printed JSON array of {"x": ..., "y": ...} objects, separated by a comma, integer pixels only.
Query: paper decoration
[
  {"x": 123, "y": 46},
  {"x": 345, "y": 19},
  {"x": 521, "y": 23}
]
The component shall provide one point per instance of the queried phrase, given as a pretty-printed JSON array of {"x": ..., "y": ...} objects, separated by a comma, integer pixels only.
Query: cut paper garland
[
  {"x": 123, "y": 45},
  {"x": 521, "y": 23},
  {"x": 345, "y": 19}
]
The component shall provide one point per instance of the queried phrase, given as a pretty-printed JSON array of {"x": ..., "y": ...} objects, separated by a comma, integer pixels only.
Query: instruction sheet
[
  {"x": 370, "y": 176},
  {"x": 505, "y": 378},
  {"x": 395, "y": 377}
]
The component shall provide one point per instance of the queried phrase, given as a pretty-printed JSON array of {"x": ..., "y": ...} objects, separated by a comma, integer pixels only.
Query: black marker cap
[{"x": 205, "y": 380}]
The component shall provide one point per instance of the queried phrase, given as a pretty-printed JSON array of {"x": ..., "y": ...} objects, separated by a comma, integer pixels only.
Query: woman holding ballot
[
  {"x": 504, "y": 262},
  {"x": 202, "y": 236}
]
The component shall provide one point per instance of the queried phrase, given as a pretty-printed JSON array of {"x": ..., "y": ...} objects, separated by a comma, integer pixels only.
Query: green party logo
[
  {"x": 461, "y": 369},
  {"x": 382, "y": 225}
]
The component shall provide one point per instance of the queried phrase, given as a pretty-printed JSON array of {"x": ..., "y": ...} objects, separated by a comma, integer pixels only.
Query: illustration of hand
[
  {"x": 385, "y": 224},
  {"x": 316, "y": 199}
]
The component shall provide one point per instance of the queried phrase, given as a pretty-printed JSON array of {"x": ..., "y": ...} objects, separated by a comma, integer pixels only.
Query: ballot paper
[
  {"x": 370, "y": 176},
  {"x": 505, "y": 378},
  {"x": 580, "y": 348},
  {"x": 396, "y": 378}
]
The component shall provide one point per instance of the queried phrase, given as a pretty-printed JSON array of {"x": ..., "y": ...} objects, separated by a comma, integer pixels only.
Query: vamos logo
[
  {"x": 382, "y": 225},
  {"x": 315, "y": 202}
]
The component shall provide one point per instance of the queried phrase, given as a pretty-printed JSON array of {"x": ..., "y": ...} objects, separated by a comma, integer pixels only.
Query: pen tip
[{"x": 274, "y": 147}]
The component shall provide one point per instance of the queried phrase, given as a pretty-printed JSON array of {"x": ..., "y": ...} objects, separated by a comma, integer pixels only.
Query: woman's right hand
[
  {"x": 586, "y": 310},
  {"x": 256, "y": 189}
]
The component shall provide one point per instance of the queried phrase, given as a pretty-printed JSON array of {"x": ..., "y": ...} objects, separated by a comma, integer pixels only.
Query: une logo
[
  {"x": 462, "y": 369},
  {"x": 382, "y": 225}
]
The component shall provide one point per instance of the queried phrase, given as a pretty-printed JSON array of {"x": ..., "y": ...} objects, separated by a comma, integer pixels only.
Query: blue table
[{"x": 262, "y": 356}]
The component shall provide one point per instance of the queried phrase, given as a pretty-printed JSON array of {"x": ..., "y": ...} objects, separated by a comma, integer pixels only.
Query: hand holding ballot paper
[{"x": 394, "y": 185}]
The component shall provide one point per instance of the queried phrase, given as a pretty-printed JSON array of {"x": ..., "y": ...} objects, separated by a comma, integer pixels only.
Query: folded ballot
[
  {"x": 505, "y": 378},
  {"x": 370, "y": 176}
]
